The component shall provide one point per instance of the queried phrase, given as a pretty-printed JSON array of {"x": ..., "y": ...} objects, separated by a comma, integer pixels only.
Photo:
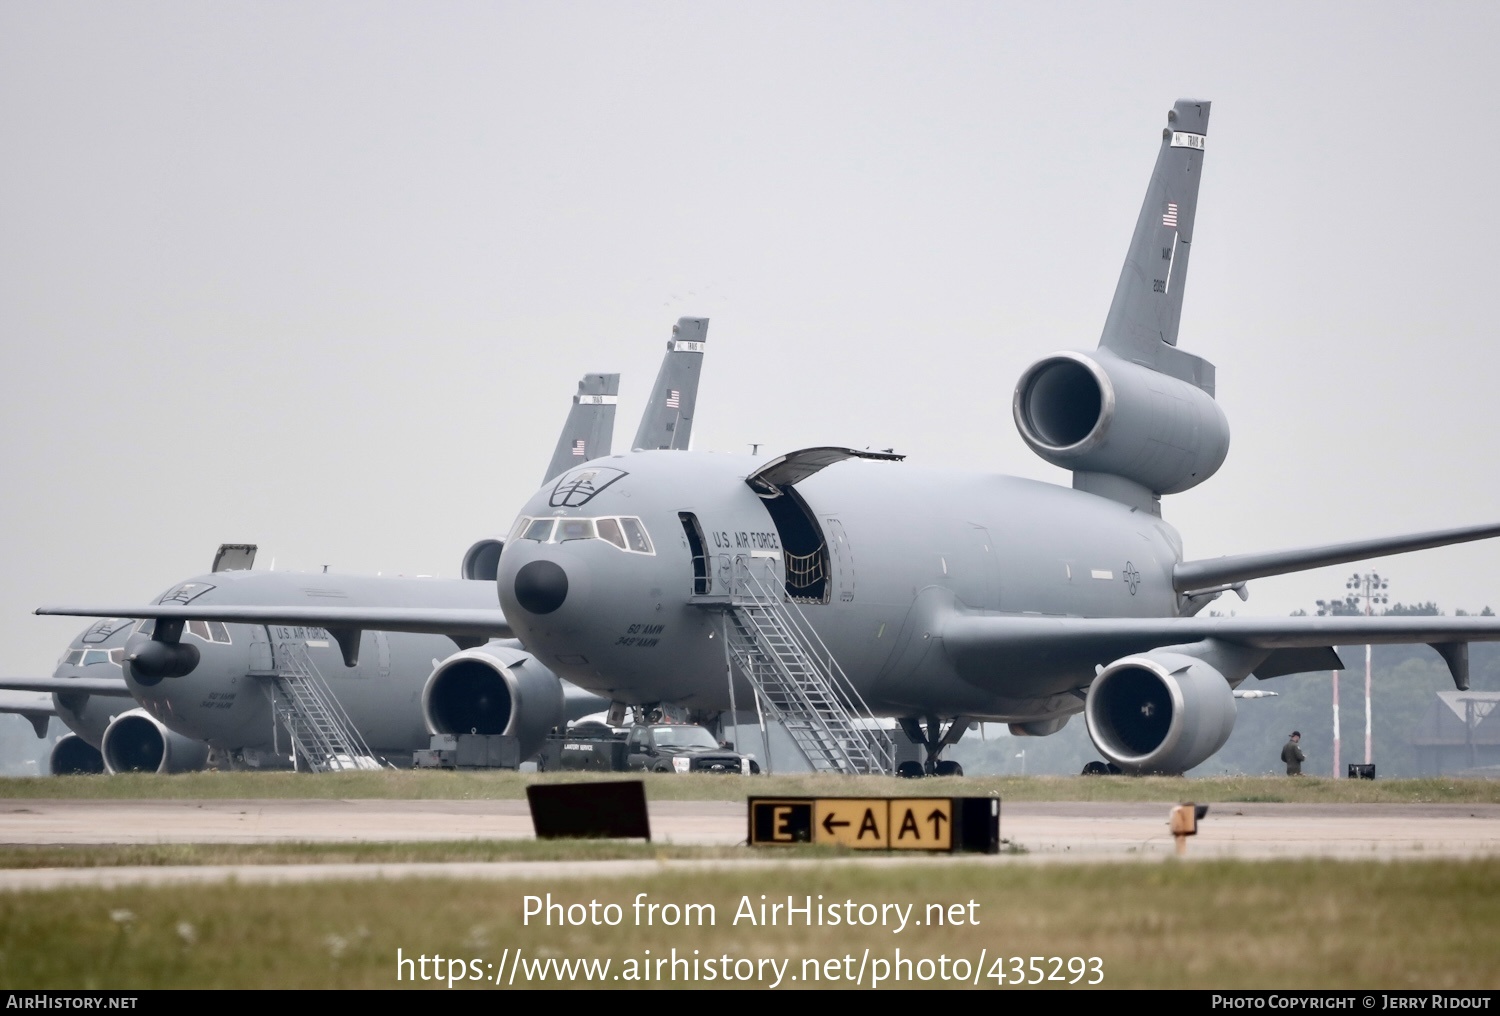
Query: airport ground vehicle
[{"x": 647, "y": 747}]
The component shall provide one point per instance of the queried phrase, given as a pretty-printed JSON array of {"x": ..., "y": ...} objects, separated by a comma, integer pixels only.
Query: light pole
[
  {"x": 1371, "y": 588},
  {"x": 1347, "y": 605}
]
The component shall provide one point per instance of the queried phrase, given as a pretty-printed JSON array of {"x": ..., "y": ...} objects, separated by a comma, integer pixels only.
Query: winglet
[
  {"x": 668, "y": 420},
  {"x": 1143, "y": 317},
  {"x": 590, "y": 429}
]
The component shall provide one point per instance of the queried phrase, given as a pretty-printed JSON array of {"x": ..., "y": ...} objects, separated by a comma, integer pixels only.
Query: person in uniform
[{"x": 1291, "y": 754}]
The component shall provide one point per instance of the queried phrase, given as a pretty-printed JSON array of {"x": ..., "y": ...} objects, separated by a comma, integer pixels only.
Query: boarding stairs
[
  {"x": 795, "y": 675},
  {"x": 323, "y": 736}
]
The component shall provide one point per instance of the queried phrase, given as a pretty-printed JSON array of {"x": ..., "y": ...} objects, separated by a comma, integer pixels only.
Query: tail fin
[
  {"x": 668, "y": 420},
  {"x": 591, "y": 424},
  {"x": 1143, "y": 318}
]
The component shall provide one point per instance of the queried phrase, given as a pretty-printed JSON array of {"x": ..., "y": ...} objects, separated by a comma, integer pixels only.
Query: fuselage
[
  {"x": 875, "y": 554},
  {"x": 96, "y": 652},
  {"x": 227, "y": 698}
]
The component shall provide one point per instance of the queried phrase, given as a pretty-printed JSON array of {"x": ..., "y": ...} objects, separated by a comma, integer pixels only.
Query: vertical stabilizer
[
  {"x": 591, "y": 424},
  {"x": 1143, "y": 318},
  {"x": 668, "y": 420}
]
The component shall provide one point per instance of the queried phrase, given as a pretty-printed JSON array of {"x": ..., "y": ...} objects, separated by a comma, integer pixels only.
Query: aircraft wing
[
  {"x": 35, "y": 707},
  {"x": 460, "y": 621},
  {"x": 51, "y": 685},
  {"x": 1292, "y": 644}
]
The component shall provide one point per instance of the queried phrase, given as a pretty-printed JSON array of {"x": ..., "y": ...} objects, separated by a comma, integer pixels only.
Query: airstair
[
  {"x": 323, "y": 736},
  {"x": 796, "y": 677}
]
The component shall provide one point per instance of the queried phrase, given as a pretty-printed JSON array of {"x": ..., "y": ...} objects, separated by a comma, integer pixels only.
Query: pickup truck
[{"x": 649, "y": 747}]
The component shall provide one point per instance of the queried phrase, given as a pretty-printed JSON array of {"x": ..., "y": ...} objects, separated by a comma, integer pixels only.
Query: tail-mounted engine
[
  {"x": 494, "y": 689},
  {"x": 138, "y": 742},
  {"x": 482, "y": 561},
  {"x": 1097, "y": 413},
  {"x": 1159, "y": 712}
]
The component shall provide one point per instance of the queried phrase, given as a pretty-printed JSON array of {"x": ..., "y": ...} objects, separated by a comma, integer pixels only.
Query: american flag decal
[
  {"x": 1170, "y": 218},
  {"x": 578, "y": 448},
  {"x": 674, "y": 399}
]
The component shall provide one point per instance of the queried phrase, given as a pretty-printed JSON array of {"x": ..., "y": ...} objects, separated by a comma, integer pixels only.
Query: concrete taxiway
[{"x": 1035, "y": 832}]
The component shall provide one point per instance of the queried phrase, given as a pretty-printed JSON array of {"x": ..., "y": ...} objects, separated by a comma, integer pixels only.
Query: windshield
[
  {"x": 624, "y": 533},
  {"x": 684, "y": 737}
]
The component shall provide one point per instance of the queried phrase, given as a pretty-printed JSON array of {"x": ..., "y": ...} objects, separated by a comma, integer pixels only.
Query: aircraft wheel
[
  {"x": 1115, "y": 770},
  {"x": 947, "y": 768},
  {"x": 910, "y": 770},
  {"x": 1096, "y": 768}
]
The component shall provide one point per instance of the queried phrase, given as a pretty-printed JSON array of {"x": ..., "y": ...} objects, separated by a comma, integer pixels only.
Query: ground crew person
[{"x": 1291, "y": 754}]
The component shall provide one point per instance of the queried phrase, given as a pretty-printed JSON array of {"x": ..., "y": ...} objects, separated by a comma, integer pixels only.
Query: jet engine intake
[
  {"x": 494, "y": 689},
  {"x": 73, "y": 756},
  {"x": 1094, "y": 412},
  {"x": 1159, "y": 712},
  {"x": 138, "y": 742},
  {"x": 482, "y": 561}
]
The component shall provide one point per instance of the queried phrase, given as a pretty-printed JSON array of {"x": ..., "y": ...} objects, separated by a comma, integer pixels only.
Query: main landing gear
[
  {"x": 1097, "y": 768},
  {"x": 933, "y": 740}
]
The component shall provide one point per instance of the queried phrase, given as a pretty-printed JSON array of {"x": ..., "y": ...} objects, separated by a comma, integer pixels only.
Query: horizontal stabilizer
[
  {"x": 57, "y": 685},
  {"x": 426, "y": 620},
  {"x": 992, "y": 643},
  {"x": 1192, "y": 576}
]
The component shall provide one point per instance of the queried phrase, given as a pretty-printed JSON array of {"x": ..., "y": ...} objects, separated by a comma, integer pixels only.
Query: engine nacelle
[
  {"x": 1093, "y": 412},
  {"x": 1159, "y": 712},
  {"x": 494, "y": 689},
  {"x": 148, "y": 661},
  {"x": 138, "y": 742},
  {"x": 482, "y": 561},
  {"x": 73, "y": 756}
]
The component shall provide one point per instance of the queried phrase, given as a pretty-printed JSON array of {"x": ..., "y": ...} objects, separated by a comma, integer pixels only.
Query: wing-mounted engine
[
  {"x": 1159, "y": 712},
  {"x": 138, "y": 742},
  {"x": 73, "y": 756},
  {"x": 1095, "y": 413},
  {"x": 482, "y": 561},
  {"x": 494, "y": 689}
]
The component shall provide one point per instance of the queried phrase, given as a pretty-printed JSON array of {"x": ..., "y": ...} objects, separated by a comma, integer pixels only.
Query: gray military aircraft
[
  {"x": 945, "y": 597},
  {"x": 962, "y": 596},
  {"x": 86, "y": 691},
  {"x": 207, "y": 682}
]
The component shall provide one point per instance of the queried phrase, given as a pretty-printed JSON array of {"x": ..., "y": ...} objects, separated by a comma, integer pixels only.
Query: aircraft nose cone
[{"x": 541, "y": 586}]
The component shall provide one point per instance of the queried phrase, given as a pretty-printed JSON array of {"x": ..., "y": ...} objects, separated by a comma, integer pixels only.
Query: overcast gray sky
[{"x": 323, "y": 276}]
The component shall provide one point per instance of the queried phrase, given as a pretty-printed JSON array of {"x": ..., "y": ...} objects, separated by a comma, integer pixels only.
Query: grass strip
[{"x": 1271, "y": 924}]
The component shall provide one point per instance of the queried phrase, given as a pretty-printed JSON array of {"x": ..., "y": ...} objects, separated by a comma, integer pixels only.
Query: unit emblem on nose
[{"x": 580, "y": 486}]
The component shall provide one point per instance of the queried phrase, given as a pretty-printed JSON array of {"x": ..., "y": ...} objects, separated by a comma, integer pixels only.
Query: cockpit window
[
  {"x": 540, "y": 531},
  {"x": 209, "y": 631},
  {"x": 74, "y": 658},
  {"x": 575, "y": 529},
  {"x": 147, "y": 626},
  {"x": 609, "y": 530},
  {"x": 627, "y": 534},
  {"x": 635, "y": 536}
]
